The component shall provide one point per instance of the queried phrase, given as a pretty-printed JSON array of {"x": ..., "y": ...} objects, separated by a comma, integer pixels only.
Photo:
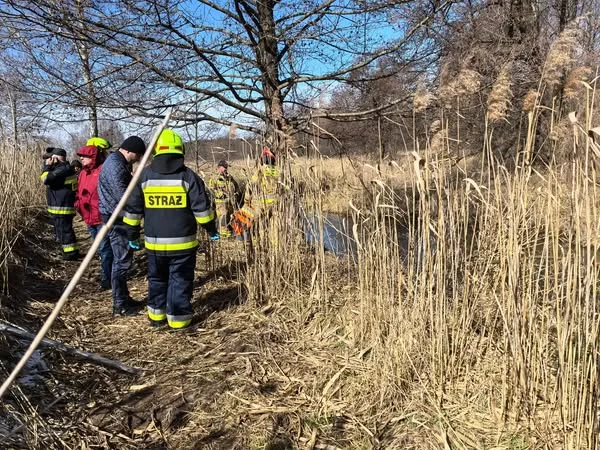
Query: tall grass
[
  {"x": 473, "y": 302},
  {"x": 21, "y": 193}
]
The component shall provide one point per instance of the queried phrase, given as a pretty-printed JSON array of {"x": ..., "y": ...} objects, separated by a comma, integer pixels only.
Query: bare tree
[{"x": 252, "y": 59}]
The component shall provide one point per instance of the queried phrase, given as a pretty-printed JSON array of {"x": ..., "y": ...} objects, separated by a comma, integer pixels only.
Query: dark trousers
[
  {"x": 105, "y": 253},
  {"x": 65, "y": 235},
  {"x": 170, "y": 286},
  {"x": 122, "y": 256}
]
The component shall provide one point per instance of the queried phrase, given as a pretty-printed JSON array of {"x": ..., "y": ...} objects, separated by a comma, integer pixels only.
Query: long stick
[
  {"x": 73, "y": 351},
  {"x": 86, "y": 261}
]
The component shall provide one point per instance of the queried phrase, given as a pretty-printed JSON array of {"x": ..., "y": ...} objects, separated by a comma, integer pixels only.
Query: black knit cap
[
  {"x": 134, "y": 144},
  {"x": 50, "y": 151},
  {"x": 223, "y": 163}
]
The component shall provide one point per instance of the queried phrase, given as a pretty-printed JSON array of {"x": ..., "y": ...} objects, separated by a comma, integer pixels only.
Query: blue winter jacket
[{"x": 112, "y": 183}]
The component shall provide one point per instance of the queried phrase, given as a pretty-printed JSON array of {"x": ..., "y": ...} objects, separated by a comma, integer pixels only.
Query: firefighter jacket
[
  {"x": 172, "y": 200},
  {"x": 263, "y": 189},
  {"x": 61, "y": 182},
  {"x": 225, "y": 190}
]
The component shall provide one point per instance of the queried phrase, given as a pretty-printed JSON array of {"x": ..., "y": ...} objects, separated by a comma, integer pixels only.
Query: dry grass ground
[{"x": 466, "y": 317}]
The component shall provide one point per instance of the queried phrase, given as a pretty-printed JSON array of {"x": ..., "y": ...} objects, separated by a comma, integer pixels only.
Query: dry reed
[
  {"x": 499, "y": 100},
  {"x": 561, "y": 58},
  {"x": 22, "y": 194}
]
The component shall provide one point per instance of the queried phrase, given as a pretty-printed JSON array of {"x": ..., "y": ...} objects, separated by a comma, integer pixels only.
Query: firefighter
[
  {"x": 262, "y": 192},
  {"x": 61, "y": 182},
  {"x": 263, "y": 189},
  {"x": 172, "y": 200},
  {"x": 226, "y": 194}
]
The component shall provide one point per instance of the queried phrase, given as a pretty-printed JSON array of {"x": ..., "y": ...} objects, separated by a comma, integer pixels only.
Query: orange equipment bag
[{"x": 242, "y": 220}]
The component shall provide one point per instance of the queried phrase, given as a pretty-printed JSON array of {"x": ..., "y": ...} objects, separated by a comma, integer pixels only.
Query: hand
[
  {"x": 215, "y": 237},
  {"x": 135, "y": 245}
]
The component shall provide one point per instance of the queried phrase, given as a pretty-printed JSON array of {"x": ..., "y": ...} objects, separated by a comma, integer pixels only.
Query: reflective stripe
[
  {"x": 68, "y": 248},
  {"x": 162, "y": 189},
  {"x": 61, "y": 210},
  {"x": 268, "y": 199},
  {"x": 157, "y": 314},
  {"x": 148, "y": 183},
  {"x": 171, "y": 244},
  {"x": 205, "y": 216},
  {"x": 179, "y": 321},
  {"x": 44, "y": 175},
  {"x": 71, "y": 180},
  {"x": 132, "y": 219}
]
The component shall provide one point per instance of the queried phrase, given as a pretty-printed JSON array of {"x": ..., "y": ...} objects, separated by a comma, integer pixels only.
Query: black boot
[{"x": 125, "y": 311}]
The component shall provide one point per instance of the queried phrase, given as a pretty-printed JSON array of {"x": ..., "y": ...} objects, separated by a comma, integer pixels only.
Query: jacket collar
[{"x": 168, "y": 163}]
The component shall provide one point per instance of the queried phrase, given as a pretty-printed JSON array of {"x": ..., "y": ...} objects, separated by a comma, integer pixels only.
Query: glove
[
  {"x": 135, "y": 245},
  {"x": 215, "y": 237}
]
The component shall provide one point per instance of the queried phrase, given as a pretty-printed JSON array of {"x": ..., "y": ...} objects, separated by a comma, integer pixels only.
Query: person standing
[
  {"x": 77, "y": 166},
  {"x": 61, "y": 182},
  {"x": 226, "y": 194},
  {"x": 87, "y": 204},
  {"x": 262, "y": 193},
  {"x": 172, "y": 201},
  {"x": 114, "y": 178}
]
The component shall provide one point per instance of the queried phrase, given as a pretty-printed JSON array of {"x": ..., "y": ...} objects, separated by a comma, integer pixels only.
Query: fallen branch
[{"x": 72, "y": 351}]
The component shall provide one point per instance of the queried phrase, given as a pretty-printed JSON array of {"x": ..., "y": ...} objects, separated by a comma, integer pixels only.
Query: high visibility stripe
[
  {"x": 164, "y": 189},
  {"x": 149, "y": 183},
  {"x": 69, "y": 248},
  {"x": 44, "y": 175},
  {"x": 179, "y": 321},
  {"x": 268, "y": 199},
  {"x": 170, "y": 244},
  {"x": 156, "y": 314},
  {"x": 61, "y": 210},
  {"x": 71, "y": 180},
  {"x": 205, "y": 216},
  {"x": 132, "y": 219}
]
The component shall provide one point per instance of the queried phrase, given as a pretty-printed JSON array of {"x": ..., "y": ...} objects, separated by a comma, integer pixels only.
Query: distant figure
[
  {"x": 226, "y": 194},
  {"x": 262, "y": 192},
  {"x": 77, "y": 166},
  {"x": 115, "y": 176},
  {"x": 61, "y": 182},
  {"x": 172, "y": 200},
  {"x": 87, "y": 204}
]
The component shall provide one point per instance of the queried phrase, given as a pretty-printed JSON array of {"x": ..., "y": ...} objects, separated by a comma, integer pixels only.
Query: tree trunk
[
  {"x": 84, "y": 55},
  {"x": 13, "y": 114},
  {"x": 267, "y": 57}
]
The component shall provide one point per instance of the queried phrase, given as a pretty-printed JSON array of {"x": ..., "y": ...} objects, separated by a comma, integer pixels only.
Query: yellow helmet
[
  {"x": 169, "y": 142},
  {"x": 99, "y": 142}
]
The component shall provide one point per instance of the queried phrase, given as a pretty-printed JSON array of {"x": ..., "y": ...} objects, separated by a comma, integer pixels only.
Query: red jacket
[{"x": 86, "y": 202}]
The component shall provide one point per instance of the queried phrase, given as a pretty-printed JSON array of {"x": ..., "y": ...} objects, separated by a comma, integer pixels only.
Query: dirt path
[{"x": 235, "y": 379}]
